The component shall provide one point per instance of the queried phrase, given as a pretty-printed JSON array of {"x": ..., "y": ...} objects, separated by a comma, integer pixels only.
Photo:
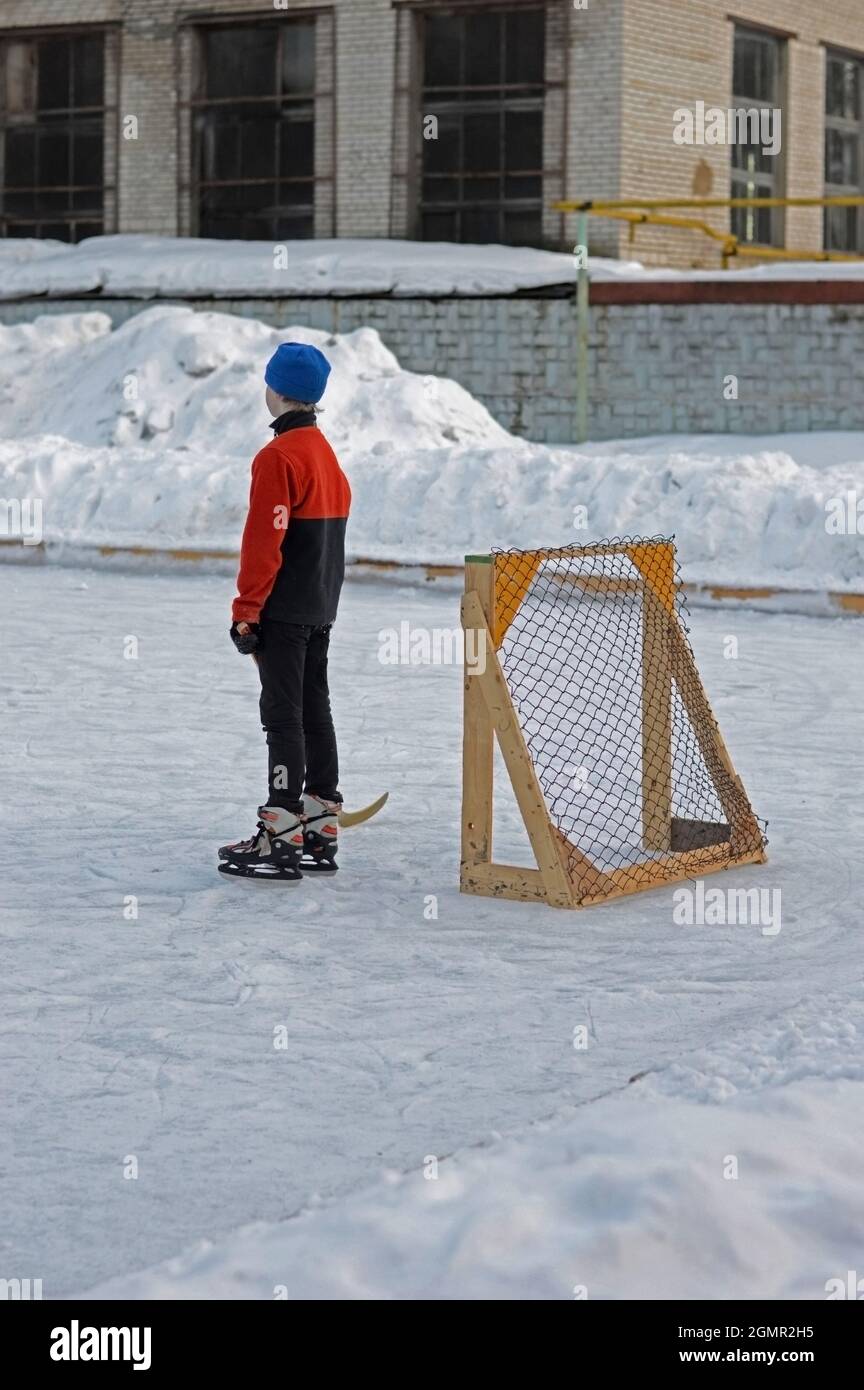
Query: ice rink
[{"x": 259, "y": 1050}]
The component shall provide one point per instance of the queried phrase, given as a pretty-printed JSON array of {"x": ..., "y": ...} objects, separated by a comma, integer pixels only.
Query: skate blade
[
  {"x": 313, "y": 867},
  {"x": 259, "y": 875}
]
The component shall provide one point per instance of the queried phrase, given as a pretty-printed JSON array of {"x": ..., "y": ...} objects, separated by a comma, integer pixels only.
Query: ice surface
[{"x": 407, "y": 1036}]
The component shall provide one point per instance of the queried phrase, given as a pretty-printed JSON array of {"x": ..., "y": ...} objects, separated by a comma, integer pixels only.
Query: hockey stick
[{"x": 347, "y": 818}]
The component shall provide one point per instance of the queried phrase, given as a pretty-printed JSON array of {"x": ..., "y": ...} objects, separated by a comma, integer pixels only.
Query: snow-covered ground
[
  {"x": 142, "y": 436},
  {"x": 148, "y": 266},
  {"x": 407, "y": 1036}
]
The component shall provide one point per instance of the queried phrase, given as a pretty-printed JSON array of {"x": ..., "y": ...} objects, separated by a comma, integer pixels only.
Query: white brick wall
[
  {"x": 653, "y": 367},
  {"x": 628, "y": 64},
  {"x": 149, "y": 197}
]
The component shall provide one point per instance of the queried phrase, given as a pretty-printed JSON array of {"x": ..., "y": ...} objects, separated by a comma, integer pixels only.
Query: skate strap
[{"x": 287, "y": 833}]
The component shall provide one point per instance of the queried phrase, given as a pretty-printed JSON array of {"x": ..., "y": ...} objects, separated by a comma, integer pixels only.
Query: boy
[{"x": 292, "y": 563}]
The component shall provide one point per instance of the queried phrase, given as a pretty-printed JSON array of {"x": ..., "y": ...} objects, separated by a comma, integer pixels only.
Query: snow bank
[
  {"x": 173, "y": 378},
  {"x": 142, "y": 436},
  {"x": 17, "y": 251},
  {"x": 147, "y": 267},
  {"x": 731, "y": 1174},
  {"x": 146, "y": 434}
]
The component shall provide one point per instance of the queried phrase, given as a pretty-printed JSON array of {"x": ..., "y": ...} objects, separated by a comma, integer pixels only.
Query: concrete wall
[{"x": 654, "y": 367}]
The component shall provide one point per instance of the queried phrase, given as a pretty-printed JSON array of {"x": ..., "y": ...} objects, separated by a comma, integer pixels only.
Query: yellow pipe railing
[
  {"x": 645, "y": 212},
  {"x": 587, "y": 204}
]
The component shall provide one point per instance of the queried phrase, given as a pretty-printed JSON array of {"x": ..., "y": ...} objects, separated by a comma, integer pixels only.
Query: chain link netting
[{"x": 594, "y": 648}]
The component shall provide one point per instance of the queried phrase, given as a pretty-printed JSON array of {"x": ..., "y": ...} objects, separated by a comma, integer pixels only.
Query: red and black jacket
[{"x": 292, "y": 558}]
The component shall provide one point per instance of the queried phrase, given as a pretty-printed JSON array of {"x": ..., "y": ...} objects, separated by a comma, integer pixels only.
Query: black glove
[{"x": 246, "y": 642}]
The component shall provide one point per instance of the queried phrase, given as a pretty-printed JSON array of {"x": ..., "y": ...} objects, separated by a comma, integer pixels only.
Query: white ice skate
[{"x": 273, "y": 852}]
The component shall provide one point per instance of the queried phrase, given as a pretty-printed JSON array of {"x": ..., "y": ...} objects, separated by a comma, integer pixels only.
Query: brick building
[{"x": 430, "y": 119}]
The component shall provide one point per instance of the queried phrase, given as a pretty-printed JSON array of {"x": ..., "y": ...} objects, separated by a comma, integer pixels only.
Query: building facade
[{"x": 462, "y": 120}]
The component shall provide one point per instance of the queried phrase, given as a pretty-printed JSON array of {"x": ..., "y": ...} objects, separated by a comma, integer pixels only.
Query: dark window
[
  {"x": 756, "y": 86},
  {"x": 756, "y": 66},
  {"x": 483, "y": 81},
  {"x": 254, "y": 124},
  {"x": 53, "y": 131},
  {"x": 844, "y": 150}
]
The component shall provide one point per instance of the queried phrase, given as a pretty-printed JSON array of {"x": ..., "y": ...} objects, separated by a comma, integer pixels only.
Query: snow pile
[
  {"x": 147, "y": 267},
  {"x": 142, "y": 436},
  {"x": 686, "y": 1185},
  {"x": 745, "y": 510},
  {"x": 19, "y": 251},
  {"x": 173, "y": 378}
]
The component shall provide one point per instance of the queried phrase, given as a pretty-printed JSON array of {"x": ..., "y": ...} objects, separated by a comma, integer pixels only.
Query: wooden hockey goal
[{"x": 581, "y": 653}]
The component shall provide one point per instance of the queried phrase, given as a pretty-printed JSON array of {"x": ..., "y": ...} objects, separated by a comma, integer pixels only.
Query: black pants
[{"x": 295, "y": 713}]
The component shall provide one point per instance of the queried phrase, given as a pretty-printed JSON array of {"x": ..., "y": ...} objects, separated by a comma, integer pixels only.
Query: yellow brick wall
[{"x": 677, "y": 52}]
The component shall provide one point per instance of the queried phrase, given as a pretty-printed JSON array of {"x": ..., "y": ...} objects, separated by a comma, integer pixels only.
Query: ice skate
[
  {"x": 273, "y": 852},
  {"x": 320, "y": 834}
]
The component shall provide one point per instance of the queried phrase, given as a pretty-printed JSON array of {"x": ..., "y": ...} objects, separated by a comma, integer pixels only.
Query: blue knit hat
[{"x": 298, "y": 371}]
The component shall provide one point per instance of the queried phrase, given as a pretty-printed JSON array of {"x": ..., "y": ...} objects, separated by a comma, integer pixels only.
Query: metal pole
[{"x": 583, "y": 325}]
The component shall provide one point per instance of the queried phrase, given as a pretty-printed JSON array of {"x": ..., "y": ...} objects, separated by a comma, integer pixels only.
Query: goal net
[{"x": 612, "y": 740}]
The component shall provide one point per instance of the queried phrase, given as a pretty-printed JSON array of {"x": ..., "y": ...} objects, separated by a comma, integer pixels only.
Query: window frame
[
  {"x": 197, "y": 101},
  {"x": 45, "y": 225},
  {"x": 844, "y": 126},
  {"x": 504, "y": 97},
  {"x": 760, "y": 183}
]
